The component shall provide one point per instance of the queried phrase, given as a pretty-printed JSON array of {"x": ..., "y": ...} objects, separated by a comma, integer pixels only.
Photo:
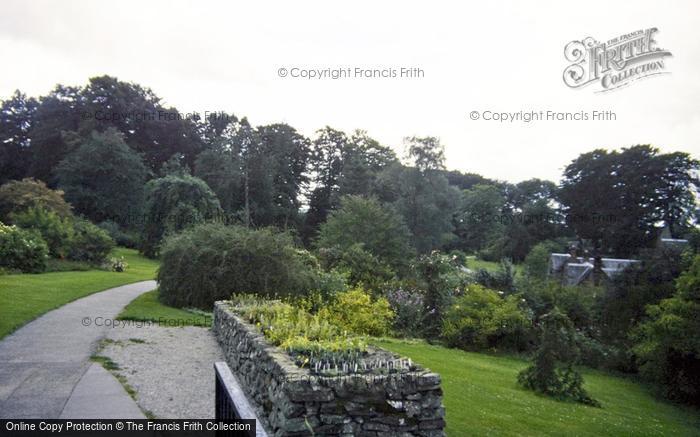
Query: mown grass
[
  {"x": 482, "y": 398},
  {"x": 474, "y": 263},
  {"x": 147, "y": 307},
  {"x": 24, "y": 297}
]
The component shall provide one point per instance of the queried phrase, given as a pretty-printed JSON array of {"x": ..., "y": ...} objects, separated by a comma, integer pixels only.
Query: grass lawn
[
  {"x": 475, "y": 263},
  {"x": 24, "y": 297},
  {"x": 147, "y": 308},
  {"x": 481, "y": 397}
]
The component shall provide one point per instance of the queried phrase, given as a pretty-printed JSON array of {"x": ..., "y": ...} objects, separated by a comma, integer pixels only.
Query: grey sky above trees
[{"x": 500, "y": 56}]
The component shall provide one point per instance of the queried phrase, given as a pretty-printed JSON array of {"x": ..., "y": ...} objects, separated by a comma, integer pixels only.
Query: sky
[{"x": 496, "y": 56}]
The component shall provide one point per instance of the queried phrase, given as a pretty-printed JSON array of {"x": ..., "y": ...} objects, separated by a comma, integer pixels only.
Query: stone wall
[{"x": 292, "y": 400}]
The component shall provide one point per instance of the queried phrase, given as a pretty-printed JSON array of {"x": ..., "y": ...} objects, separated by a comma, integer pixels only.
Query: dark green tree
[
  {"x": 103, "y": 178},
  {"x": 616, "y": 199},
  {"x": 16, "y": 119},
  {"x": 172, "y": 204}
]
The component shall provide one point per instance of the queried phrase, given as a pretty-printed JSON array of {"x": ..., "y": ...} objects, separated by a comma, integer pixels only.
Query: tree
[
  {"x": 16, "y": 119},
  {"x": 668, "y": 345},
  {"x": 17, "y": 196},
  {"x": 552, "y": 372},
  {"x": 426, "y": 153},
  {"x": 103, "y": 178},
  {"x": 57, "y": 113},
  {"x": 172, "y": 204},
  {"x": 378, "y": 228},
  {"x": 479, "y": 220},
  {"x": 281, "y": 157},
  {"x": 326, "y": 166},
  {"x": 616, "y": 199}
]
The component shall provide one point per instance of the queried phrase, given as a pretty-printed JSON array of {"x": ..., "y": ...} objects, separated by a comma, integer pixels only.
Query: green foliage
[
  {"x": 89, "y": 242},
  {"x": 311, "y": 339},
  {"x": 668, "y": 346},
  {"x": 440, "y": 279},
  {"x": 536, "y": 264},
  {"x": 477, "y": 221},
  {"x": 481, "y": 319},
  {"x": 552, "y": 372},
  {"x": 103, "y": 178},
  {"x": 16, "y": 115},
  {"x": 409, "y": 310},
  {"x": 378, "y": 228},
  {"x": 623, "y": 305},
  {"x": 356, "y": 312},
  {"x": 616, "y": 199},
  {"x": 502, "y": 279},
  {"x": 22, "y": 250},
  {"x": 18, "y": 196},
  {"x": 56, "y": 231},
  {"x": 121, "y": 236},
  {"x": 358, "y": 266},
  {"x": 210, "y": 262},
  {"x": 174, "y": 203}
]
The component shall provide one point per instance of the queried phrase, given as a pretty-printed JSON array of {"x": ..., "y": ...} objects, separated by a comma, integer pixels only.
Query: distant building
[{"x": 575, "y": 270}]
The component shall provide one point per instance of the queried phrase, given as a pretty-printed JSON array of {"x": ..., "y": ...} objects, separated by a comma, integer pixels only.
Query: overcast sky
[{"x": 501, "y": 56}]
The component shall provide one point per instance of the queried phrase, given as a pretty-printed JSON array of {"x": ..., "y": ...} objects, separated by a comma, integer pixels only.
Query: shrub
[
  {"x": 409, "y": 309},
  {"x": 668, "y": 346},
  {"x": 210, "y": 262},
  {"x": 354, "y": 311},
  {"x": 22, "y": 250},
  {"x": 536, "y": 264},
  {"x": 121, "y": 237},
  {"x": 56, "y": 231},
  {"x": 89, "y": 243},
  {"x": 502, "y": 279},
  {"x": 440, "y": 279},
  {"x": 360, "y": 267},
  {"x": 18, "y": 196},
  {"x": 482, "y": 319},
  {"x": 552, "y": 372}
]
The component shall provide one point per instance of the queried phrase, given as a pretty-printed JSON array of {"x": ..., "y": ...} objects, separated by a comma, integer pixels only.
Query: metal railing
[{"x": 231, "y": 402}]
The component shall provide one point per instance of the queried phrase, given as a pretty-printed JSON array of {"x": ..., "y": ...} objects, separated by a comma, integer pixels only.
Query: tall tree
[
  {"x": 103, "y": 178},
  {"x": 616, "y": 199},
  {"x": 16, "y": 119}
]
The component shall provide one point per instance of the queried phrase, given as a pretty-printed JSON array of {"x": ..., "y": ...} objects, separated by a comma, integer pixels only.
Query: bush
[
  {"x": 355, "y": 312},
  {"x": 22, "y": 250},
  {"x": 552, "y": 372},
  {"x": 89, "y": 243},
  {"x": 668, "y": 345},
  {"x": 502, "y": 279},
  {"x": 440, "y": 279},
  {"x": 360, "y": 267},
  {"x": 409, "y": 310},
  {"x": 210, "y": 262},
  {"x": 536, "y": 264},
  {"x": 121, "y": 237},
  {"x": 56, "y": 231},
  {"x": 18, "y": 196},
  {"x": 482, "y": 319}
]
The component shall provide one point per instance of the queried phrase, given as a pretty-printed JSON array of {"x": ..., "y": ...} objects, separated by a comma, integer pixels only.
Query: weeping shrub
[{"x": 210, "y": 262}]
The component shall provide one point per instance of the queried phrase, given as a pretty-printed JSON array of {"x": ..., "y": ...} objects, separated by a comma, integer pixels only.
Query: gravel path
[{"x": 171, "y": 369}]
